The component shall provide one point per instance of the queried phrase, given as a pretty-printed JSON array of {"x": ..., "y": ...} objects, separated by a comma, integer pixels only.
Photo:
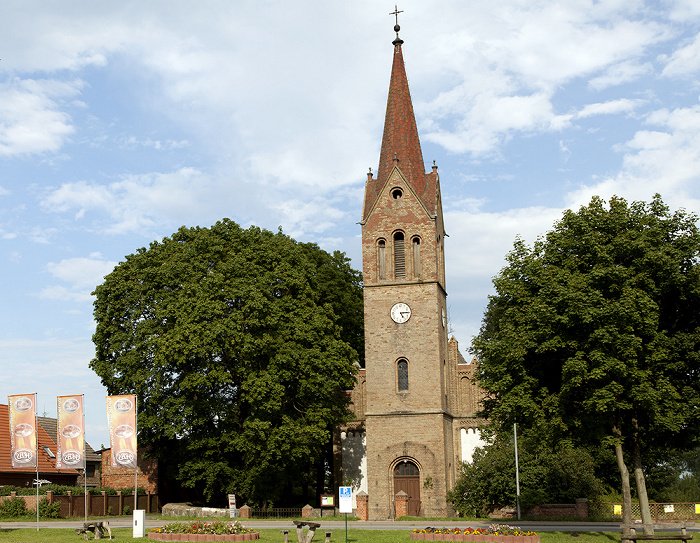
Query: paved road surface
[{"x": 538, "y": 526}]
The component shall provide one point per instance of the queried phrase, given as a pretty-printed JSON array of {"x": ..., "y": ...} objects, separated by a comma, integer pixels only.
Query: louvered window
[{"x": 399, "y": 256}]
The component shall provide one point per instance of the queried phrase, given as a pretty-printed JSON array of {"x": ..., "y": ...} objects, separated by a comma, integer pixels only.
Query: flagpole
[
  {"x": 36, "y": 433},
  {"x": 136, "y": 454},
  {"x": 82, "y": 406}
]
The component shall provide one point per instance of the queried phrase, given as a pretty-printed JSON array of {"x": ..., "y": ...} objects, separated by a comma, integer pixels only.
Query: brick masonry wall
[{"x": 124, "y": 477}]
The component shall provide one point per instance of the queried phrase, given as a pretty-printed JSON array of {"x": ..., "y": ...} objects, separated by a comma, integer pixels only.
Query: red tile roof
[
  {"x": 400, "y": 143},
  {"x": 46, "y": 463}
]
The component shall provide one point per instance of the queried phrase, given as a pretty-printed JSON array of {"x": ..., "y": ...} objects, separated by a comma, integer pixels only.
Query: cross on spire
[{"x": 396, "y": 13}]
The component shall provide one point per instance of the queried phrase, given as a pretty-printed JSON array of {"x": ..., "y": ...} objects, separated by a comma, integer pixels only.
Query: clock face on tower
[{"x": 400, "y": 312}]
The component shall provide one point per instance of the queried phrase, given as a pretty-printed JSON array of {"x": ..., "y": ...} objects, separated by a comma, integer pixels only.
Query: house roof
[
  {"x": 400, "y": 142},
  {"x": 51, "y": 426},
  {"x": 46, "y": 463}
]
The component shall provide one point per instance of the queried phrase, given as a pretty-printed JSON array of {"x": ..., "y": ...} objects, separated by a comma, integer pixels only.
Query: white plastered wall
[
  {"x": 471, "y": 439},
  {"x": 354, "y": 462}
]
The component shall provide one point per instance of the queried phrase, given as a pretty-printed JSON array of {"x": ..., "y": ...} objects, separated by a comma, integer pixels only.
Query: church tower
[{"x": 409, "y": 426}]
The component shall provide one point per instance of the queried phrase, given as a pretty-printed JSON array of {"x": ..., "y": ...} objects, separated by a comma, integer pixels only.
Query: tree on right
[{"x": 593, "y": 335}]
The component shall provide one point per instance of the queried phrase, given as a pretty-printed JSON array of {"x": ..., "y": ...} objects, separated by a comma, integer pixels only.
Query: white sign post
[
  {"x": 345, "y": 505},
  {"x": 232, "y": 505}
]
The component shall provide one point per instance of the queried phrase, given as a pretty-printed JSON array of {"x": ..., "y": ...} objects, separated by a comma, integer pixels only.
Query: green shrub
[
  {"x": 7, "y": 489},
  {"x": 130, "y": 490},
  {"x": 126, "y": 510},
  {"x": 49, "y": 510},
  {"x": 14, "y": 507}
]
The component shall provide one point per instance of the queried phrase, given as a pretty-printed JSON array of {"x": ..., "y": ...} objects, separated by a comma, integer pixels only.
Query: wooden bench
[
  {"x": 99, "y": 527},
  {"x": 629, "y": 533},
  {"x": 312, "y": 526}
]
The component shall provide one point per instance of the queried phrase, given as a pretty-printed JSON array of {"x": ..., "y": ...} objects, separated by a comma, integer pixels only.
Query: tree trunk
[
  {"x": 626, "y": 489},
  {"x": 642, "y": 489}
]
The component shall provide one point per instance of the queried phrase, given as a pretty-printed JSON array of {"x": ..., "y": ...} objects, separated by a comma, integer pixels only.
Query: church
[{"x": 416, "y": 399}]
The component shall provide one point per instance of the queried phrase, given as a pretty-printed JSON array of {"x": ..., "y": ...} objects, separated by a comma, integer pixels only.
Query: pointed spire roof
[{"x": 400, "y": 143}]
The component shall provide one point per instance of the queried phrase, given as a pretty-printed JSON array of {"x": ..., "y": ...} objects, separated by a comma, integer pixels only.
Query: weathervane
[{"x": 395, "y": 13}]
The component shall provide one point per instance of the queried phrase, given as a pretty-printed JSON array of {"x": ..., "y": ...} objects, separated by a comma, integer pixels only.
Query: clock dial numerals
[{"x": 400, "y": 312}]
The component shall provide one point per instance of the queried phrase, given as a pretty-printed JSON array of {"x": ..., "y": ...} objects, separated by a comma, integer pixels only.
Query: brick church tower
[
  {"x": 416, "y": 400},
  {"x": 409, "y": 429}
]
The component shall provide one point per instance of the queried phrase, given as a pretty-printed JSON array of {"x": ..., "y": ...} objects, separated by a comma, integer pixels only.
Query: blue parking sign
[{"x": 345, "y": 501}]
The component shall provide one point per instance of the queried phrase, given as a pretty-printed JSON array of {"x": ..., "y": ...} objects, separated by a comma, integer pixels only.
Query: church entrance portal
[{"x": 407, "y": 478}]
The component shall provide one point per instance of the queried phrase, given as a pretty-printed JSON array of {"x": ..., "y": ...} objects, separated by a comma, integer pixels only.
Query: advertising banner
[
  {"x": 71, "y": 441},
  {"x": 22, "y": 430},
  {"x": 121, "y": 418}
]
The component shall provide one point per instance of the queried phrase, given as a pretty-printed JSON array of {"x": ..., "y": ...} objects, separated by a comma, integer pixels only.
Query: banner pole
[
  {"x": 82, "y": 405},
  {"x": 36, "y": 432},
  {"x": 136, "y": 454}
]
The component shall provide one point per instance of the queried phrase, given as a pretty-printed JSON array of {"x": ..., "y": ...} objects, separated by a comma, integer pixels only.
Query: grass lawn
[{"x": 61, "y": 535}]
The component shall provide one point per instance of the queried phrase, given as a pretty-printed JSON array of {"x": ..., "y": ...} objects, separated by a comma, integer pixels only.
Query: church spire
[{"x": 400, "y": 143}]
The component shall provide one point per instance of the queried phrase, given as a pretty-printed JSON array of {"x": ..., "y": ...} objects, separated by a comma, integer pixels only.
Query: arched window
[
  {"x": 416, "y": 257},
  {"x": 402, "y": 374},
  {"x": 399, "y": 256},
  {"x": 381, "y": 255},
  {"x": 406, "y": 469}
]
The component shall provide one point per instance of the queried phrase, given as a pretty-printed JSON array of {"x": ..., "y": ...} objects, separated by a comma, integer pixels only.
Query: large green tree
[
  {"x": 239, "y": 344},
  {"x": 593, "y": 335}
]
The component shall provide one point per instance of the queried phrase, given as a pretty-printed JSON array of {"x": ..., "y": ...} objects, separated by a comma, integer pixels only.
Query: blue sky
[{"x": 121, "y": 122}]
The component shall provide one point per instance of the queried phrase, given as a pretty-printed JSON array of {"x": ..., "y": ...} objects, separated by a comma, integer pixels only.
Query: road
[{"x": 537, "y": 526}]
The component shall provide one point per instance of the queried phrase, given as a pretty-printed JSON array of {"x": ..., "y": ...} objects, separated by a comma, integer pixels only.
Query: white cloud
[
  {"x": 30, "y": 119},
  {"x": 613, "y": 107},
  {"x": 620, "y": 73},
  {"x": 134, "y": 203},
  {"x": 684, "y": 61},
  {"x": 82, "y": 275}
]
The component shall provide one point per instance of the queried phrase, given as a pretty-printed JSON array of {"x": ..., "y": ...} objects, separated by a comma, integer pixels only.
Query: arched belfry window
[
  {"x": 402, "y": 374},
  {"x": 399, "y": 256},
  {"x": 416, "y": 257},
  {"x": 381, "y": 256}
]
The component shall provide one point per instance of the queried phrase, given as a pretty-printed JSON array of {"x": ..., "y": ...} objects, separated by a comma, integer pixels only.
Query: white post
[
  {"x": 36, "y": 433},
  {"x": 136, "y": 454},
  {"x": 84, "y": 457},
  {"x": 517, "y": 474}
]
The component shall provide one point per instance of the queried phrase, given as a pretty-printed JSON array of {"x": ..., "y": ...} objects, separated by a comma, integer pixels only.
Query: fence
[
  {"x": 659, "y": 511},
  {"x": 97, "y": 505},
  {"x": 276, "y": 512}
]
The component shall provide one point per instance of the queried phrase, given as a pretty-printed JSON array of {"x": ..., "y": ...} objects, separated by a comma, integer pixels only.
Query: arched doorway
[{"x": 407, "y": 478}]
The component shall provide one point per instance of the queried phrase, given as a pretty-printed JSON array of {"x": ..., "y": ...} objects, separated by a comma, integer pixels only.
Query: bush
[
  {"x": 7, "y": 489},
  {"x": 130, "y": 490},
  {"x": 558, "y": 476},
  {"x": 49, "y": 510},
  {"x": 14, "y": 507}
]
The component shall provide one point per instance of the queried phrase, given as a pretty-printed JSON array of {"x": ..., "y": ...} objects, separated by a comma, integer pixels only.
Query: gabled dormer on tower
[{"x": 403, "y": 230}]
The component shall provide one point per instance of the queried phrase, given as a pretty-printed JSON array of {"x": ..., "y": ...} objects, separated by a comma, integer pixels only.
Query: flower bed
[
  {"x": 202, "y": 537},
  {"x": 496, "y": 533},
  {"x": 203, "y": 531}
]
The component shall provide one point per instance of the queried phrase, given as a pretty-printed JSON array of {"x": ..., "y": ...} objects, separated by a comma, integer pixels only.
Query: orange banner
[
  {"x": 71, "y": 440},
  {"x": 23, "y": 430},
  {"x": 121, "y": 418}
]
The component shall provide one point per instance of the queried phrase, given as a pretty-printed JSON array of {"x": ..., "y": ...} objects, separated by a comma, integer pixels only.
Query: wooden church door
[{"x": 407, "y": 478}]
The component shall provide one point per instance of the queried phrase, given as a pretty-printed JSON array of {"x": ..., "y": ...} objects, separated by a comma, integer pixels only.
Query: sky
[{"x": 122, "y": 121}]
